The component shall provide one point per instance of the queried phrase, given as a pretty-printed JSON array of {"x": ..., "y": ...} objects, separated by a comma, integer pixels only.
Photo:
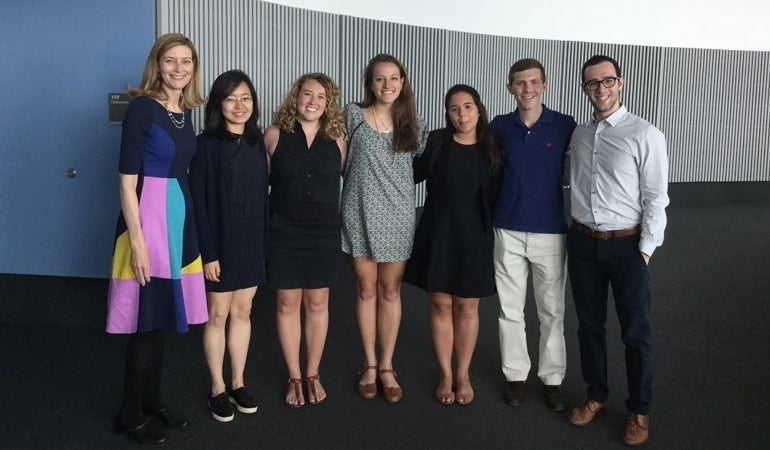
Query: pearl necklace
[{"x": 179, "y": 124}]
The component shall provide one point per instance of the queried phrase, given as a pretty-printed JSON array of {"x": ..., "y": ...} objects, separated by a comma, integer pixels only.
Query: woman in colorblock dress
[{"x": 157, "y": 274}]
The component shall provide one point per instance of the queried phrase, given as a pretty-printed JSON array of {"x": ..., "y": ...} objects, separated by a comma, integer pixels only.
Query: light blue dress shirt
[{"x": 619, "y": 176}]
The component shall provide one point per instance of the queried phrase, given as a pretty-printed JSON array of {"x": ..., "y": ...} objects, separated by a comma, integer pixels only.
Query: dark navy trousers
[{"x": 594, "y": 266}]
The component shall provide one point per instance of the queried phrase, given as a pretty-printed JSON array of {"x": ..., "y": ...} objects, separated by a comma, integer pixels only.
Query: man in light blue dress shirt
[{"x": 619, "y": 179}]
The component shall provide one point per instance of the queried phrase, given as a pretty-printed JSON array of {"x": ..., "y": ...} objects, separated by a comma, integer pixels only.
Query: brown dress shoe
[
  {"x": 367, "y": 390},
  {"x": 585, "y": 413},
  {"x": 392, "y": 394},
  {"x": 637, "y": 429}
]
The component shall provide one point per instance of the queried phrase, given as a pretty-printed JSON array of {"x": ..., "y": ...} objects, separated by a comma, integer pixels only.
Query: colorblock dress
[
  {"x": 159, "y": 153},
  {"x": 378, "y": 196}
]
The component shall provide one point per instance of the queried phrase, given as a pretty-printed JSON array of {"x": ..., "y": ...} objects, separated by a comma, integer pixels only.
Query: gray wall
[{"x": 711, "y": 104}]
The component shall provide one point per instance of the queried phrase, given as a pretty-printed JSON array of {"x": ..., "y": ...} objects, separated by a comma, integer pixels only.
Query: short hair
[
  {"x": 598, "y": 59},
  {"x": 332, "y": 118},
  {"x": 526, "y": 64},
  {"x": 223, "y": 86},
  {"x": 404, "y": 112},
  {"x": 152, "y": 84}
]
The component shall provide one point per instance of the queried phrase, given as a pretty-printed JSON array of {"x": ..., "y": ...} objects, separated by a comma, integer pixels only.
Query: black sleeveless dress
[{"x": 304, "y": 232}]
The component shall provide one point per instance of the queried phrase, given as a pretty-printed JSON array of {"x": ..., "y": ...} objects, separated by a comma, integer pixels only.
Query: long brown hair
[
  {"x": 152, "y": 84},
  {"x": 332, "y": 119},
  {"x": 404, "y": 112}
]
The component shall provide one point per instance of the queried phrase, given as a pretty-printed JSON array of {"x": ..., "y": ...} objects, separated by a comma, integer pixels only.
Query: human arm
[
  {"x": 201, "y": 178},
  {"x": 271, "y": 142},
  {"x": 342, "y": 145},
  {"x": 129, "y": 204},
  {"x": 653, "y": 187}
]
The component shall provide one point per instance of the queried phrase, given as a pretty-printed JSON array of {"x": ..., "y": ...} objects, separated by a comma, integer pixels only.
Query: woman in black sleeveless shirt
[{"x": 307, "y": 153}]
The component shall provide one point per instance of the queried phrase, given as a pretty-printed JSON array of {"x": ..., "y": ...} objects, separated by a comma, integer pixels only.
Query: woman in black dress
[
  {"x": 307, "y": 153},
  {"x": 228, "y": 179},
  {"x": 452, "y": 253}
]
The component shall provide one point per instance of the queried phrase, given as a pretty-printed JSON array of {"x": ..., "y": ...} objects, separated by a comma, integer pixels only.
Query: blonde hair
[
  {"x": 332, "y": 119},
  {"x": 152, "y": 84}
]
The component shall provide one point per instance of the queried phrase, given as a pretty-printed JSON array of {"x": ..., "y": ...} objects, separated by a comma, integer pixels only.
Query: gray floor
[{"x": 62, "y": 374}]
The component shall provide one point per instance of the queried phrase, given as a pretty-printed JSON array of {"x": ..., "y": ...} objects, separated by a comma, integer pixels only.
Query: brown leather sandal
[
  {"x": 391, "y": 394},
  {"x": 369, "y": 390},
  {"x": 297, "y": 383},
  {"x": 311, "y": 381}
]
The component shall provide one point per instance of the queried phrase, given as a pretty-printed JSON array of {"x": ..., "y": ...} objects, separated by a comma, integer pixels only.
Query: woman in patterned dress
[
  {"x": 157, "y": 274},
  {"x": 228, "y": 180},
  {"x": 307, "y": 153},
  {"x": 384, "y": 134}
]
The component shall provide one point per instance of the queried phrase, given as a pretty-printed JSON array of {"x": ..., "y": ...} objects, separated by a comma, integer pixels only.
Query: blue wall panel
[{"x": 58, "y": 62}]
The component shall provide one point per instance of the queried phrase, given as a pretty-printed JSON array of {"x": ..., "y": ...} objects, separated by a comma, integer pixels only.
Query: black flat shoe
[
  {"x": 169, "y": 419},
  {"x": 147, "y": 433}
]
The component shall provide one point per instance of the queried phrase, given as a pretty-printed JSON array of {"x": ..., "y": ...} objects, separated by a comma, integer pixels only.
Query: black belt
[{"x": 605, "y": 235}]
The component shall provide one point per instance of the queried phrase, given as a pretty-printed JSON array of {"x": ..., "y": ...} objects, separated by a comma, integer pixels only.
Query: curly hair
[
  {"x": 152, "y": 84},
  {"x": 332, "y": 118},
  {"x": 404, "y": 113}
]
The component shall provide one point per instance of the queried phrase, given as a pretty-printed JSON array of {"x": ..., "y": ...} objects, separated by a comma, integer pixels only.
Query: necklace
[
  {"x": 381, "y": 141},
  {"x": 177, "y": 123},
  {"x": 237, "y": 137}
]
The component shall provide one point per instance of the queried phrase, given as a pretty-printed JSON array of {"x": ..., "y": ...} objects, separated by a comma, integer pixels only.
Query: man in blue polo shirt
[{"x": 530, "y": 231}]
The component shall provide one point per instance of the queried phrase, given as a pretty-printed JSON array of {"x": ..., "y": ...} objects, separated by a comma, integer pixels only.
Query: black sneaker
[
  {"x": 243, "y": 400},
  {"x": 220, "y": 408}
]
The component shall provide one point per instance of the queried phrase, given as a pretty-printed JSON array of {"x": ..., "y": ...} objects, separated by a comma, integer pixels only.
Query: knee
[
  {"x": 218, "y": 317},
  {"x": 367, "y": 291},
  {"x": 287, "y": 308},
  {"x": 390, "y": 292},
  {"x": 317, "y": 307},
  {"x": 241, "y": 313}
]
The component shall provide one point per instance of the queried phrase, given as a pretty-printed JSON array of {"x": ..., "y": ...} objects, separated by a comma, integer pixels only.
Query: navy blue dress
[{"x": 228, "y": 181}]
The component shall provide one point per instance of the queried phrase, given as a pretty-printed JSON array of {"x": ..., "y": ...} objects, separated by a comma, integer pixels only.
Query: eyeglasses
[
  {"x": 606, "y": 82},
  {"x": 232, "y": 100}
]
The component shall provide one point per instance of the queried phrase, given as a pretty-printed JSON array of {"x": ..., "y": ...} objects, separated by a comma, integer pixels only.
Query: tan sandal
[
  {"x": 391, "y": 394},
  {"x": 297, "y": 384},
  {"x": 369, "y": 390},
  {"x": 311, "y": 381}
]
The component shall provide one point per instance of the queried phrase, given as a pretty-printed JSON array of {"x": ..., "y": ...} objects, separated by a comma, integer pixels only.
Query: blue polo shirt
[{"x": 531, "y": 192}]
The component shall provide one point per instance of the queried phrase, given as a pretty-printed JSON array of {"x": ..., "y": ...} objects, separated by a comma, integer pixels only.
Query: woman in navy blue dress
[
  {"x": 157, "y": 281},
  {"x": 228, "y": 179}
]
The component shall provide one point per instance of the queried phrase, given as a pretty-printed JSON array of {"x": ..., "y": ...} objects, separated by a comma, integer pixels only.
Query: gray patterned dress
[{"x": 378, "y": 196}]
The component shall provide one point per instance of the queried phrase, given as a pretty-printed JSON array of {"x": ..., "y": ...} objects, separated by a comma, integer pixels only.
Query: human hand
[
  {"x": 646, "y": 258},
  {"x": 211, "y": 271},
  {"x": 140, "y": 263}
]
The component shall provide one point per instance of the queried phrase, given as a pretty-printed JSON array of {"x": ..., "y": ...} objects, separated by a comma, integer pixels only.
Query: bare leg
[
  {"x": 389, "y": 315},
  {"x": 239, "y": 333},
  {"x": 442, "y": 331},
  {"x": 288, "y": 323},
  {"x": 214, "y": 337},
  {"x": 366, "y": 312},
  {"x": 466, "y": 326},
  {"x": 316, "y": 303}
]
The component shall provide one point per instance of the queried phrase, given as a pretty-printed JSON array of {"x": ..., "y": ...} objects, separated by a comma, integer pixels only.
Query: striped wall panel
[{"x": 713, "y": 105}]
